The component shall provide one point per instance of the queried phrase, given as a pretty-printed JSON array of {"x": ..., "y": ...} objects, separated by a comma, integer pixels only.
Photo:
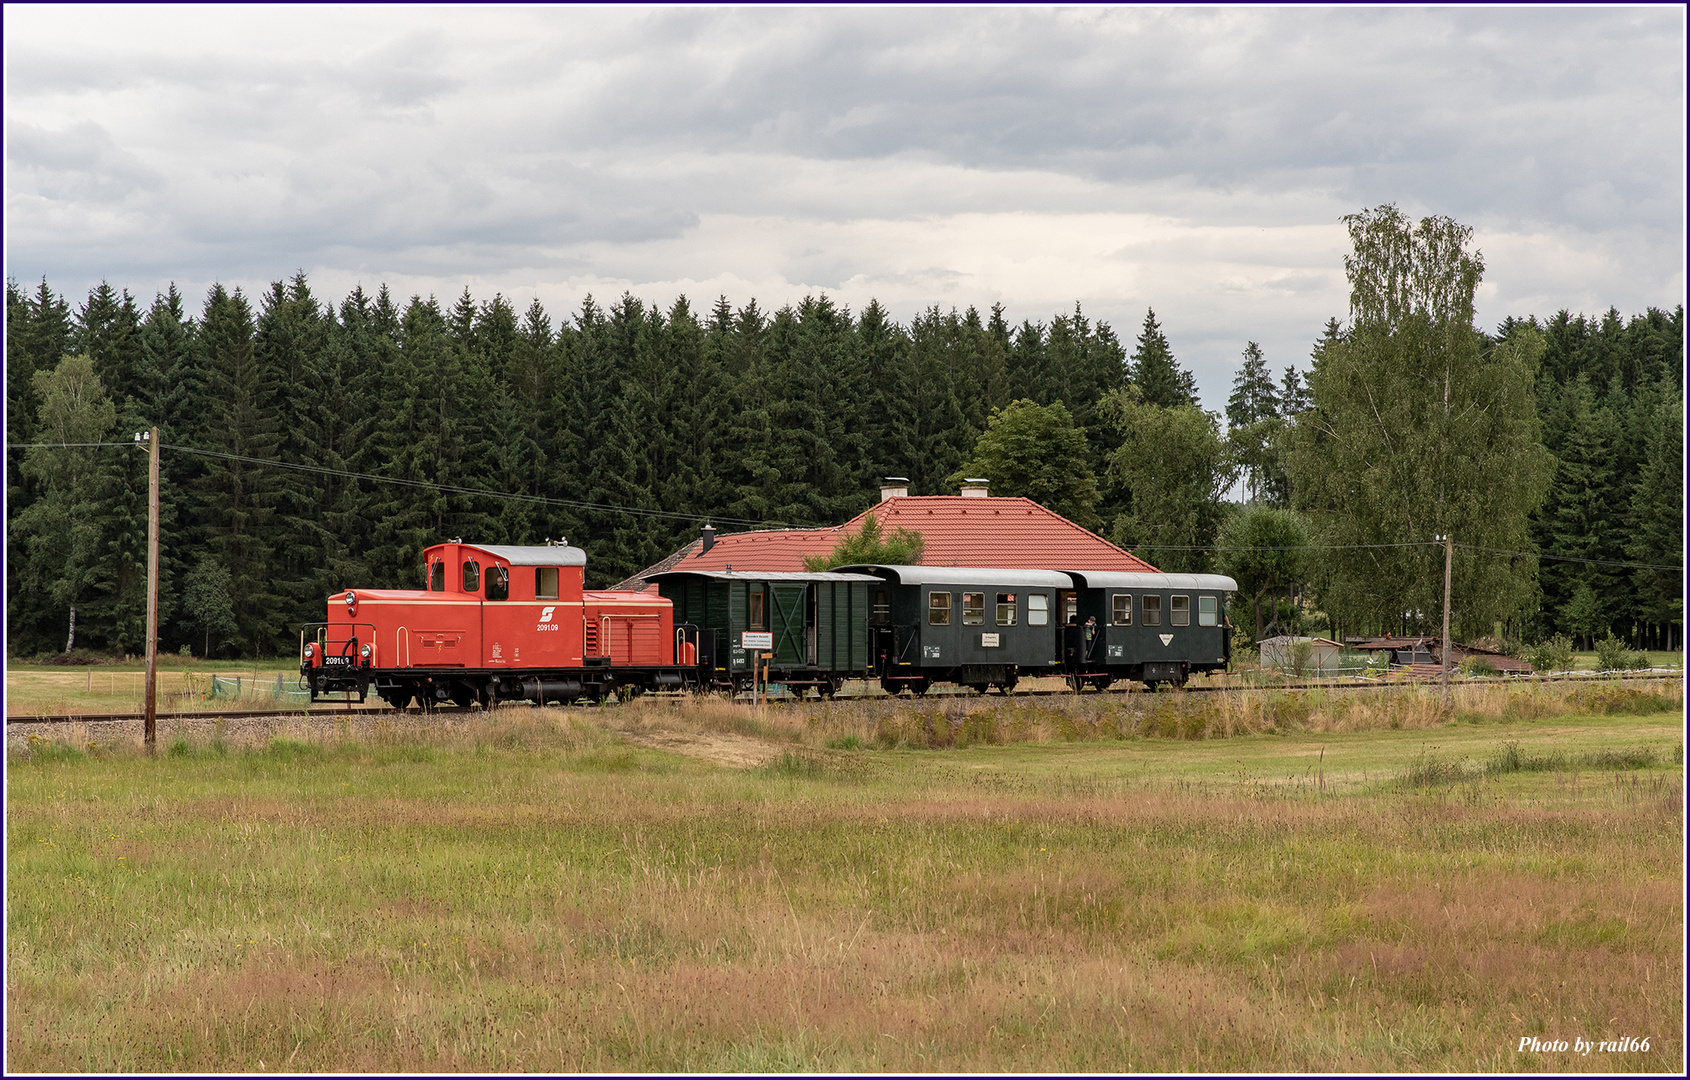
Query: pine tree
[
  {"x": 238, "y": 495},
  {"x": 1156, "y": 373},
  {"x": 1656, "y": 530},
  {"x": 1252, "y": 415}
]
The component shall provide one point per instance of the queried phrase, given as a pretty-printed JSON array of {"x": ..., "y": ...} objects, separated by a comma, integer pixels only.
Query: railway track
[{"x": 353, "y": 709}]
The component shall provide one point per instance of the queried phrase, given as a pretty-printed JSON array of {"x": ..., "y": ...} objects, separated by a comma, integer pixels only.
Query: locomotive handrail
[{"x": 323, "y": 638}]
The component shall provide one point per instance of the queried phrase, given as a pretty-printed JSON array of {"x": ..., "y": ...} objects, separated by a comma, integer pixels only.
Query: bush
[
  {"x": 1612, "y": 655},
  {"x": 1556, "y": 654}
]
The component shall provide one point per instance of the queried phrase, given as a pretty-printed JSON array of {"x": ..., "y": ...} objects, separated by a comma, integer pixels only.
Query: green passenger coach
[
  {"x": 1156, "y": 628},
  {"x": 975, "y": 627}
]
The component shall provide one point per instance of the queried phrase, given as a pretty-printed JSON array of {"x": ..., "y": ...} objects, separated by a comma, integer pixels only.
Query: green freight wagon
[{"x": 814, "y": 625}]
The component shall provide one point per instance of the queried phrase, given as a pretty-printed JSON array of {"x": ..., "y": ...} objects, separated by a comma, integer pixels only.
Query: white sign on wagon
[
  {"x": 756, "y": 639},
  {"x": 988, "y": 641}
]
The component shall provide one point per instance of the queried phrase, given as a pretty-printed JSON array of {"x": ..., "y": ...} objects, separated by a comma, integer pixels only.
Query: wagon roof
[
  {"x": 964, "y": 575},
  {"x": 763, "y": 575}
]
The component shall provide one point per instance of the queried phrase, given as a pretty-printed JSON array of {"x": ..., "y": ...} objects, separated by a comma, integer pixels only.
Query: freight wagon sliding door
[
  {"x": 787, "y": 622},
  {"x": 842, "y": 625}
]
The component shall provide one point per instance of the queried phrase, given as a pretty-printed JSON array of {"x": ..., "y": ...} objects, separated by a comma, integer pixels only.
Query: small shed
[{"x": 1288, "y": 654}]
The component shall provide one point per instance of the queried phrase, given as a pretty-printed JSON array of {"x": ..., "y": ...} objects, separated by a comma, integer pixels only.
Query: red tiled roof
[{"x": 1009, "y": 534}]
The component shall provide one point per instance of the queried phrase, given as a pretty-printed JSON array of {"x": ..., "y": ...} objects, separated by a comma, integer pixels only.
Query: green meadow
[{"x": 1082, "y": 884}]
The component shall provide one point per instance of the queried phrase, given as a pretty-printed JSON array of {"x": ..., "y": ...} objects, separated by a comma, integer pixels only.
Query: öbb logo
[{"x": 546, "y": 619}]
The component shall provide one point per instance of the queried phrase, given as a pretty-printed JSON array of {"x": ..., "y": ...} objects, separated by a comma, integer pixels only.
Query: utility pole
[
  {"x": 152, "y": 590},
  {"x": 1449, "y": 553}
]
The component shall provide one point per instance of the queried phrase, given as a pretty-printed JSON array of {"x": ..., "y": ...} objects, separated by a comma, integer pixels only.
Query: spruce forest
[{"x": 624, "y": 428}]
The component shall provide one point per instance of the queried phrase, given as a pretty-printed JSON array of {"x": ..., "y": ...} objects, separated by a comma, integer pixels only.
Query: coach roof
[{"x": 1114, "y": 579}]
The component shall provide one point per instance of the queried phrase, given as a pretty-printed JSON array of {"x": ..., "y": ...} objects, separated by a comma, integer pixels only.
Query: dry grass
[
  {"x": 531, "y": 892},
  {"x": 949, "y": 722}
]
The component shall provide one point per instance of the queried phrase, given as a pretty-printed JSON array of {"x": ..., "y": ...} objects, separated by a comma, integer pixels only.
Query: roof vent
[
  {"x": 894, "y": 487},
  {"x": 975, "y": 487}
]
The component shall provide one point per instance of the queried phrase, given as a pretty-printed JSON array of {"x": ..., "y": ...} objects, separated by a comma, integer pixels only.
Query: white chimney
[
  {"x": 894, "y": 487},
  {"x": 975, "y": 487}
]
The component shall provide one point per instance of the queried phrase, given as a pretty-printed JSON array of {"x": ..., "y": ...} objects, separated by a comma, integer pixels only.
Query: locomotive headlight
[
  {"x": 310, "y": 650},
  {"x": 364, "y": 652},
  {"x": 351, "y": 602}
]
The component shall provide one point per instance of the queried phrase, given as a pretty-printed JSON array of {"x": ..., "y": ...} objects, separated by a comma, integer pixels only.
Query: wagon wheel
[
  {"x": 918, "y": 687},
  {"x": 1076, "y": 682},
  {"x": 1101, "y": 682},
  {"x": 980, "y": 687}
]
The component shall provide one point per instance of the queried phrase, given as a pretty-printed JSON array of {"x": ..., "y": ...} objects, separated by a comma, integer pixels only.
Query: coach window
[
  {"x": 545, "y": 583},
  {"x": 1006, "y": 609},
  {"x": 882, "y": 607},
  {"x": 437, "y": 575},
  {"x": 756, "y": 620},
  {"x": 1206, "y": 611},
  {"x": 939, "y": 609},
  {"x": 1038, "y": 609},
  {"x": 1179, "y": 611},
  {"x": 973, "y": 609},
  {"x": 1121, "y": 609},
  {"x": 1153, "y": 611},
  {"x": 498, "y": 583},
  {"x": 472, "y": 575}
]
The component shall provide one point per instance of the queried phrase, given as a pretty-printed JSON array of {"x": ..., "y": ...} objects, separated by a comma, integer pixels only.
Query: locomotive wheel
[
  {"x": 918, "y": 687},
  {"x": 1075, "y": 683},
  {"x": 980, "y": 687},
  {"x": 1102, "y": 682}
]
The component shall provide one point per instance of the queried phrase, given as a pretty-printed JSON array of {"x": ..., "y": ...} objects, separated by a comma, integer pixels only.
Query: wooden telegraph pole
[
  {"x": 152, "y": 591},
  {"x": 1449, "y": 553}
]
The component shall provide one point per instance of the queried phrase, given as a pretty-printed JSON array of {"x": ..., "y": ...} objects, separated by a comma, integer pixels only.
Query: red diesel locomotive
[{"x": 496, "y": 623}]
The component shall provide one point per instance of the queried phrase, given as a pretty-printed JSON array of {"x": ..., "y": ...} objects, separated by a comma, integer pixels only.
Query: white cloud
[{"x": 1194, "y": 160}]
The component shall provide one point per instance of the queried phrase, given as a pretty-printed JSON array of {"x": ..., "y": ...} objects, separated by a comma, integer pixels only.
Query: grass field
[{"x": 1264, "y": 882}]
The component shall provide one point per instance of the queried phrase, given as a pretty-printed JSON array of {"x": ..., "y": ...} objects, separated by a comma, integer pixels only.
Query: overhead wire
[{"x": 679, "y": 516}]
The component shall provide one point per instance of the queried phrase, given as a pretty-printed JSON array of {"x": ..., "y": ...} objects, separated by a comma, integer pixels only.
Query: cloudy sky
[{"x": 1196, "y": 161}]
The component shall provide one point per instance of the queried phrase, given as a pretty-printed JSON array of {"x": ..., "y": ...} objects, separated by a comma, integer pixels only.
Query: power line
[
  {"x": 677, "y": 516},
  {"x": 1569, "y": 559},
  {"x": 456, "y": 489}
]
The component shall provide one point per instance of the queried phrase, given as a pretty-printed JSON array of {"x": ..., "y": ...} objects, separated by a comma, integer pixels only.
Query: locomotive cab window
[
  {"x": 1038, "y": 609},
  {"x": 1006, "y": 609},
  {"x": 545, "y": 583},
  {"x": 756, "y": 618},
  {"x": 498, "y": 583},
  {"x": 1206, "y": 611},
  {"x": 472, "y": 575},
  {"x": 939, "y": 609},
  {"x": 1121, "y": 609},
  {"x": 1153, "y": 611},
  {"x": 1179, "y": 611},
  {"x": 437, "y": 576},
  {"x": 973, "y": 609}
]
